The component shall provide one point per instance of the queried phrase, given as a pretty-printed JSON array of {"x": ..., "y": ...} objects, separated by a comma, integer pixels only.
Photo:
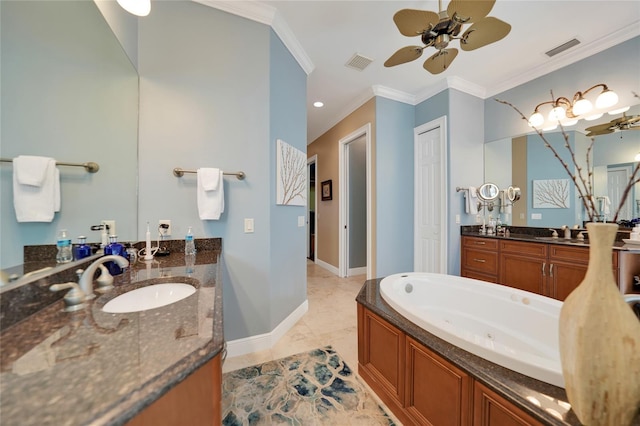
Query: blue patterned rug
[{"x": 313, "y": 388}]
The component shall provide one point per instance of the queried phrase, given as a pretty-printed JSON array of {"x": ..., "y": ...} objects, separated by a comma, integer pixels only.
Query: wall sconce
[
  {"x": 136, "y": 7},
  {"x": 568, "y": 112}
]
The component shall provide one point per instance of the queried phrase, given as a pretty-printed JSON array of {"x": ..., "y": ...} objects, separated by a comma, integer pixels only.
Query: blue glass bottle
[
  {"x": 114, "y": 247},
  {"x": 82, "y": 249}
]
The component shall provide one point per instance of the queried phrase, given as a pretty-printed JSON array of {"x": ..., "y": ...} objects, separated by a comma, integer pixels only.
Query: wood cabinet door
[
  {"x": 438, "y": 393},
  {"x": 564, "y": 278},
  {"x": 525, "y": 273},
  {"x": 490, "y": 409},
  {"x": 382, "y": 355}
]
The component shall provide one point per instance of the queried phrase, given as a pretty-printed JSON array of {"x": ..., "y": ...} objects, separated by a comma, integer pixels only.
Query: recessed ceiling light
[{"x": 318, "y": 104}]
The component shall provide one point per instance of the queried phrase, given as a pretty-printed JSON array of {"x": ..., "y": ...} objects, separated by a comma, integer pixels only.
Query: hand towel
[
  {"x": 606, "y": 205},
  {"x": 472, "y": 200},
  {"x": 210, "y": 202},
  {"x": 35, "y": 203},
  {"x": 210, "y": 178},
  {"x": 30, "y": 170}
]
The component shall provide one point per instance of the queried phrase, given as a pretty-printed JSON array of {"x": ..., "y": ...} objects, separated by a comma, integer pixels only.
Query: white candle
[{"x": 147, "y": 247}]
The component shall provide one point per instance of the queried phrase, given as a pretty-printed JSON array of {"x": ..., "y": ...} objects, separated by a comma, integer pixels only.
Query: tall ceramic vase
[{"x": 600, "y": 341}]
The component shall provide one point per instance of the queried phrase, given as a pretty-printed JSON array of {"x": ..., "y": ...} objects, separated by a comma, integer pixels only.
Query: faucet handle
[
  {"x": 554, "y": 234},
  {"x": 105, "y": 280},
  {"x": 74, "y": 299}
]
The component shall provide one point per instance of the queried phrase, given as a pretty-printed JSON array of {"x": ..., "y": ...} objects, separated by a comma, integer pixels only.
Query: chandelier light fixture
[
  {"x": 136, "y": 7},
  {"x": 568, "y": 112}
]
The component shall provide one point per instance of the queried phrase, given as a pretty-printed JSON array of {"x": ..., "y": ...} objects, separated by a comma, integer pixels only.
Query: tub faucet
[
  {"x": 567, "y": 232},
  {"x": 86, "y": 279}
]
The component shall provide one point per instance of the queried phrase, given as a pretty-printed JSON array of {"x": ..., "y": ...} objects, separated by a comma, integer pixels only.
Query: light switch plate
[
  {"x": 301, "y": 221},
  {"x": 536, "y": 216},
  {"x": 248, "y": 225},
  {"x": 457, "y": 218}
]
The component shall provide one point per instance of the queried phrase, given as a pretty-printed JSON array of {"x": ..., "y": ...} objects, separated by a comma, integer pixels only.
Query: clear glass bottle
[
  {"x": 189, "y": 243},
  {"x": 82, "y": 249},
  {"x": 64, "y": 255},
  {"x": 114, "y": 247}
]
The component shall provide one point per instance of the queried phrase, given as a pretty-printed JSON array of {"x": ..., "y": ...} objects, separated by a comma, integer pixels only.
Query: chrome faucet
[
  {"x": 86, "y": 279},
  {"x": 567, "y": 232}
]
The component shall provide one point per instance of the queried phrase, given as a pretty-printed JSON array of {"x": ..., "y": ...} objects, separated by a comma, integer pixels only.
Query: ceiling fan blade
[
  {"x": 440, "y": 61},
  {"x": 469, "y": 11},
  {"x": 601, "y": 132},
  {"x": 606, "y": 128},
  {"x": 486, "y": 31},
  {"x": 404, "y": 55},
  {"x": 412, "y": 22}
]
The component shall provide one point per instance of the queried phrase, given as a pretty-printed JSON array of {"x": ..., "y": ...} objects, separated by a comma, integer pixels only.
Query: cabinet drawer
[
  {"x": 480, "y": 260},
  {"x": 569, "y": 254},
  {"x": 478, "y": 242},
  {"x": 524, "y": 249}
]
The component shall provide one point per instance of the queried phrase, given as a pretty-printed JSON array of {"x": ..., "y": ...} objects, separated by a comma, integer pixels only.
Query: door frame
[
  {"x": 441, "y": 124},
  {"x": 343, "y": 241},
  {"x": 313, "y": 160}
]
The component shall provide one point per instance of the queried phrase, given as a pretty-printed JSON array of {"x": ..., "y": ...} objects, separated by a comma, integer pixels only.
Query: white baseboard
[
  {"x": 357, "y": 271},
  {"x": 267, "y": 340},
  {"x": 328, "y": 267}
]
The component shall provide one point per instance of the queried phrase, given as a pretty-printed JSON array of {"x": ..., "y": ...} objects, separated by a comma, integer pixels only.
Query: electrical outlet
[
  {"x": 111, "y": 224},
  {"x": 166, "y": 231}
]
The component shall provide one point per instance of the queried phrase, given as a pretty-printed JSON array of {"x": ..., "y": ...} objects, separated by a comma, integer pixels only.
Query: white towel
[
  {"x": 471, "y": 196},
  {"x": 606, "y": 205},
  {"x": 210, "y": 202},
  {"x": 39, "y": 198},
  {"x": 210, "y": 178}
]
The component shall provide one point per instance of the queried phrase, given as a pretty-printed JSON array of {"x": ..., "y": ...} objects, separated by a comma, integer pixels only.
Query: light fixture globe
[
  {"x": 536, "y": 120},
  {"x": 606, "y": 99},
  {"x": 136, "y": 7},
  {"x": 558, "y": 113},
  {"x": 593, "y": 117},
  {"x": 582, "y": 106}
]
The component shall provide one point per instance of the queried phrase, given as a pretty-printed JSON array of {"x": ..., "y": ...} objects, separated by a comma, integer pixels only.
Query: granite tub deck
[
  {"x": 91, "y": 367},
  {"x": 518, "y": 389}
]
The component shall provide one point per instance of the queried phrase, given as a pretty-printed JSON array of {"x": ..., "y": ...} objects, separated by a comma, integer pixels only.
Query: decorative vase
[{"x": 600, "y": 341}]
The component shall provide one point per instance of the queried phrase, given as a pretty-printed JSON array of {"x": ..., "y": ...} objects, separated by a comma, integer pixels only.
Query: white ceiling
[{"x": 325, "y": 34}]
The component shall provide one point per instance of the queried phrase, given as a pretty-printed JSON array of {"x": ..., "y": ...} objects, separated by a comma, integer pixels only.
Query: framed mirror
[{"x": 488, "y": 192}]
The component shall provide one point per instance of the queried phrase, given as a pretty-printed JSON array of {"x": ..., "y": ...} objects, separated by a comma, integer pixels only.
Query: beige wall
[
  {"x": 326, "y": 148},
  {"x": 519, "y": 167}
]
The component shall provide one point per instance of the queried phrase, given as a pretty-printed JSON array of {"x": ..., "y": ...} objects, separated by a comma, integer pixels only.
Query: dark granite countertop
[
  {"x": 92, "y": 367},
  {"x": 553, "y": 408},
  {"x": 543, "y": 235}
]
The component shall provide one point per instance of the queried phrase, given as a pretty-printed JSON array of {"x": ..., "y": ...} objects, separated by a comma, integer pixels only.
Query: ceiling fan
[
  {"x": 439, "y": 29},
  {"x": 623, "y": 123}
]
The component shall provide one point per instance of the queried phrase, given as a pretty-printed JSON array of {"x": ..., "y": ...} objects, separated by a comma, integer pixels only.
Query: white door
[
  {"x": 617, "y": 179},
  {"x": 430, "y": 244}
]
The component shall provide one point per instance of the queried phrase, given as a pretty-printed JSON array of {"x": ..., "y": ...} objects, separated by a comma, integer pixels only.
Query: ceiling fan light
[
  {"x": 593, "y": 116},
  {"x": 582, "y": 106},
  {"x": 606, "y": 99},
  {"x": 558, "y": 113},
  {"x": 136, "y": 7},
  {"x": 536, "y": 120},
  {"x": 619, "y": 110},
  {"x": 637, "y": 157}
]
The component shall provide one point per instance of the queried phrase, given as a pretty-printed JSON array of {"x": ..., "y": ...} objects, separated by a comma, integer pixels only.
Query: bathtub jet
[{"x": 509, "y": 327}]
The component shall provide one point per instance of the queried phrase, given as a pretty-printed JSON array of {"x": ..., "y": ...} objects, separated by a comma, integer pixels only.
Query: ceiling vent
[
  {"x": 359, "y": 62},
  {"x": 563, "y": 47}
]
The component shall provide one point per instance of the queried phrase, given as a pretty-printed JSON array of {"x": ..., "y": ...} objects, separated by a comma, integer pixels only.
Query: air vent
[
  {"x": 359, "y": 62},
  {"x": 563, "y": 47}
]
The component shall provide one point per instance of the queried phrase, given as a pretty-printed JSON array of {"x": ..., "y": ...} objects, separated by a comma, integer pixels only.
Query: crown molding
[
  {"x": 571, "y": 56},
  {"x": 268, "y": 15},
  {"x": 393, "y": 94}
]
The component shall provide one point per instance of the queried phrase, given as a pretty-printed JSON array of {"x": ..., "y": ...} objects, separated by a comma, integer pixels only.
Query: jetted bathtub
[{"x": 512, "y": 328}]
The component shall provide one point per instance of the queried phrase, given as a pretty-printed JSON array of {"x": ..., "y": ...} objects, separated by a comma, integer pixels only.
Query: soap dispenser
[{"x": 189, "y": 244}]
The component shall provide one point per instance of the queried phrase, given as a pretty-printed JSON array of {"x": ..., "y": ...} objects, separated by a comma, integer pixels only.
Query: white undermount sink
[{"x": 149, "y": 297}]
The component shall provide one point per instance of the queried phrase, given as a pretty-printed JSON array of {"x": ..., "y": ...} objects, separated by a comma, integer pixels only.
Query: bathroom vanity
[
  {"x": 159, "y": 366},
  {"x": 531, "y": 260}
]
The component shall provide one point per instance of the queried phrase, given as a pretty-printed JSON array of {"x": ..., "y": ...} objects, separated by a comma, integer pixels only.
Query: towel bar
[
  {"x": 90, "y": 166},
  {"x": 178, "y": 172}
]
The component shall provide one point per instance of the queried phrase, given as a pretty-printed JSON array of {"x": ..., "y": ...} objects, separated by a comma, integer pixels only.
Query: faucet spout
[
  {"x": 86, "y": 279},
  {"x": 567, "y": 232}
]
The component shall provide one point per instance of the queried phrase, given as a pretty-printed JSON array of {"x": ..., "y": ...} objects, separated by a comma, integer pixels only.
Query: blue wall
[{"x": 394, "y": 187}]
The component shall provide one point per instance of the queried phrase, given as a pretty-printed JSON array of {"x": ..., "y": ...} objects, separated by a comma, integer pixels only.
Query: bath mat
[{"x": 312, "y": 388}]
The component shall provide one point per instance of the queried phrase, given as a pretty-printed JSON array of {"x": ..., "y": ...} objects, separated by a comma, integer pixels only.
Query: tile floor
[{"x": 330, "y": 320}]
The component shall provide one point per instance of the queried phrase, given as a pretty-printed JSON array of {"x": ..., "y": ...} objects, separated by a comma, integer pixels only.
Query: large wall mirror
[
  {"x": 524, "y": 161},
  {"x": 69, "y": 92}
]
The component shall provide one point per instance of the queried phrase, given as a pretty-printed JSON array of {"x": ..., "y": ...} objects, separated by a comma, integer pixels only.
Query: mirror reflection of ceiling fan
[
  {"x": 439, "y": 29},
  {"x": 623, "y": 123}
]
